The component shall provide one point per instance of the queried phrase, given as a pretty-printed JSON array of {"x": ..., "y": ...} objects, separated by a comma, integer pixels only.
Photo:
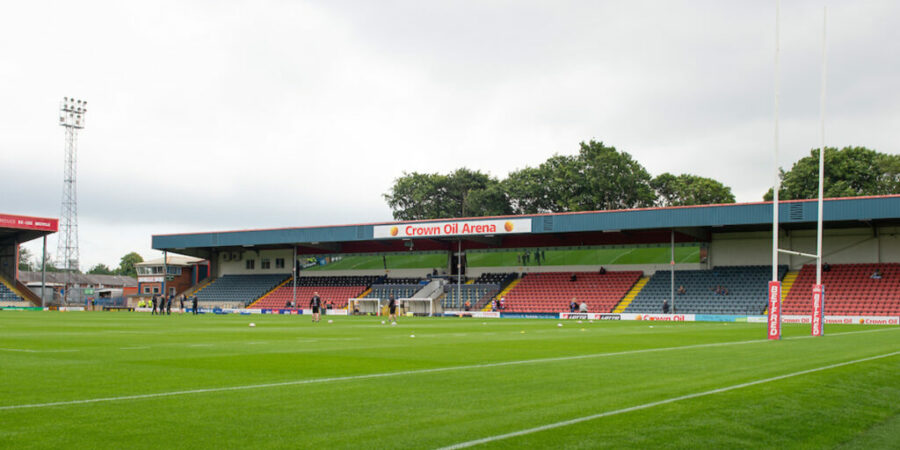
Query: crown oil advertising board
[{"x": 453, "y": 228}]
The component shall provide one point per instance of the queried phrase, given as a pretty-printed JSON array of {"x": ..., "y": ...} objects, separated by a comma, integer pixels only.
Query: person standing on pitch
[
  {"x": 153, "y": 302},
  {"x": 169, "y": 304},
  {"x": 182, "y": 303},
  {"x": 316, "y": 304},
  {"x": 392, "y": 308},
  {"x": 194, "y": 301}
]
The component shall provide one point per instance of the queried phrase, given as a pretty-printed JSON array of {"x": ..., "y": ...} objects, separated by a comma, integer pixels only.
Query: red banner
[
  {"x": 29, "y": 223},
  {"x": 774, "y": 310},
  {"x": 818, "y": 310}
]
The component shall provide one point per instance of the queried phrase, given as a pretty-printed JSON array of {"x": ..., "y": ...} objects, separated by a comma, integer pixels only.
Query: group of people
[
  {"x": 162, "y": 304},
  {"x": 498, "y": 305},
  {"x": 574, "y": 306},
  {"x": 525, "y": 258}
]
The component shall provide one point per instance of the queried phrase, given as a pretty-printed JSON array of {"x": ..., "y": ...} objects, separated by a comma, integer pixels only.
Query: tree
[
  {"x": 599, "y": 177},
  {"x": 849, "y": 172},
  {"x": 417, "y": 196},
  {"x": 611, "y": 180},
  {"x": 126, "y": 264},
  {"x": 686, "y": 189},
  {"x": 25, "y": 258},
  {"x": 529, "y": 191},
  {"x": 101, "y": 269}
]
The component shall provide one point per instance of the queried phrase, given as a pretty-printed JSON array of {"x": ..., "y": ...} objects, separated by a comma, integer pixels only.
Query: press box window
[
  {"x": 265, "y": 263},
  {"x": 279, "y": 263},
  {"x": 251, "y": 264}
]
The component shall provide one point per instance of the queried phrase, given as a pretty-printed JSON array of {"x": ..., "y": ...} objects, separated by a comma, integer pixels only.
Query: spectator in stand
[
  {"x": 681, "y": 290},
  {"x": 573, "y": 278},
  {"x": 876, "y": 275},
  {"x": 665, "y": 307},
  {"x": 583, "y": 307},
  {"x": 826, "y": 267},
  {"x": 602, "y": 270},
  {"x": 467, "y": 306},
  {"x": 493, "y": 304},
  {"x": 573, "y": 305},
  {"x": 502, "y": 303},
  {"x": 329, "y": 305}
]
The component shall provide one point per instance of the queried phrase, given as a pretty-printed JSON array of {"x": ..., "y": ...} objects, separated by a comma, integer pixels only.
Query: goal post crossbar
[
  {"x": 359, "y": 301},
  {"x": 426, "y": 300}
]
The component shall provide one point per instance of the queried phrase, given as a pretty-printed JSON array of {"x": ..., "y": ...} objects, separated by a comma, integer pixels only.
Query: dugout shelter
[{"x": 16, "y": 230}]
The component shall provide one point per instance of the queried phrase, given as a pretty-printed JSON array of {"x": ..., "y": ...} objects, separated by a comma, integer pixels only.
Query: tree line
[
  {"x": 599, "y": 177},
  {"x": 32, "y": 263}
]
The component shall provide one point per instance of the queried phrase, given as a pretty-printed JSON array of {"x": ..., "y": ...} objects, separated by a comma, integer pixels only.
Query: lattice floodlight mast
[{"x": 71, "y": 117}]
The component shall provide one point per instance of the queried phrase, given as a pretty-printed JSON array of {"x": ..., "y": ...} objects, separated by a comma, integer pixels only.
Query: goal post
[
  {"x": 425, "y": 305},
  {"x": 366, "y": 305}
]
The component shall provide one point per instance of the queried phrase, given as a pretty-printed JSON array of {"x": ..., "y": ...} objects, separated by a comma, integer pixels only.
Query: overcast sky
[{"x": 224, "y": 115}]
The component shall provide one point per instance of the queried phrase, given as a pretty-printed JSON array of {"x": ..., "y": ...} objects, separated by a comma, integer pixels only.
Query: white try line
[
  {"x": 397, "y": 374},
  {"x": 661, "y": 402}
]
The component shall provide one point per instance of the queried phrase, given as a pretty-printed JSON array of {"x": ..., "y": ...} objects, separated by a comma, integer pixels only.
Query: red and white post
[
  {"x": 774, "y": 310},
  {"x": 818, "y": 310}
]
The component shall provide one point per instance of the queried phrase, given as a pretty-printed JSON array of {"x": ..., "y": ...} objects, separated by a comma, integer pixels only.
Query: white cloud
[{"x": 224, "y": 115}]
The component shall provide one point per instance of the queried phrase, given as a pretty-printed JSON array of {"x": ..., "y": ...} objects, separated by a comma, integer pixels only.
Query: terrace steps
[
  {"x": 11, "y": 287},
  {"x": 788, "y": 282},
  {"x": 629, "y": 297},
  {"x": 270, "y": 292},
  {"x": 365, "y": 293},
  {"x": 503, "y": 293},
  {"x": 203, "y": 286}
]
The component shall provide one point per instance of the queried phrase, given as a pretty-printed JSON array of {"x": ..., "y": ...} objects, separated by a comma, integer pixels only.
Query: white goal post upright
[
  {"x": 426, "y": 300},
  {"x": 358, "y": 301}
]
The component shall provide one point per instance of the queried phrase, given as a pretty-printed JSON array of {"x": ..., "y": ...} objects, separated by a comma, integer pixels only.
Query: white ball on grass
[
  {"x": 383, "y": 322},
  {"x": 412, "y": 335},
  {"x": 252, "y": 324},
  {"x": 330, "y": 321},
  {"x": 393, "y": 324},
  {"x": 559, "y": 325}
]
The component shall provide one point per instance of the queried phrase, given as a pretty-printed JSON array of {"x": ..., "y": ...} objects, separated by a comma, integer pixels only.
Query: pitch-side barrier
[{"x": 793, "y": 319}]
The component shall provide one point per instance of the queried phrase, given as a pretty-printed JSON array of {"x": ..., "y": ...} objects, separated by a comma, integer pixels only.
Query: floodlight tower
[{"x": 71, "y": 117}]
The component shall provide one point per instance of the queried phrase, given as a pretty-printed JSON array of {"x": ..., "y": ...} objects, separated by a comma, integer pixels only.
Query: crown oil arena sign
[{"x": 458, "y": 228}]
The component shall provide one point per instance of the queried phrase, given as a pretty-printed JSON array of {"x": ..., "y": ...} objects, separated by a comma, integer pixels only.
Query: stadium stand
[
  {"x": 552, "y": 291},
  {"x": 741, "y": 290},
  {"x": 7, "y": 295},
  {"x": 478, "y": 293},
  {"x": 242, "y": 289},
  {"x": 850, "y": 289},
  {"x": 400, "y": 281},
  {"x": 335, "y": 289},
  {"x": 399, "y": 287}
]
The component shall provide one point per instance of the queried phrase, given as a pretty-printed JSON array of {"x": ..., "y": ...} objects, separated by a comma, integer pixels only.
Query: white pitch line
[
  {"x": 658, "y": 403},
  {"x": 395, "y": 374},
  {"x": 26, "y": 350}
]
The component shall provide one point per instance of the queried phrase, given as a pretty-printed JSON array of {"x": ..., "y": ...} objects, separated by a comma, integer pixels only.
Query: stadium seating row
[
  {"x": 552, "y": 292},
  {"x": 850, "y": 289},
  {"x": 721, "y": 290}
]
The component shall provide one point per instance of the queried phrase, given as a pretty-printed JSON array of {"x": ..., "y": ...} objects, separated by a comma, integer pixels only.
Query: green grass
[
  {"x": 58, "y": 357},
  {"x": 587, "y": 257},
  {"x": 394, "y": 261}
]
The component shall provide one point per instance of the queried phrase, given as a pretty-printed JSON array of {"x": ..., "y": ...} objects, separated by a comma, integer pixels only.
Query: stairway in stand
[{"x": 629, "y": 297}]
